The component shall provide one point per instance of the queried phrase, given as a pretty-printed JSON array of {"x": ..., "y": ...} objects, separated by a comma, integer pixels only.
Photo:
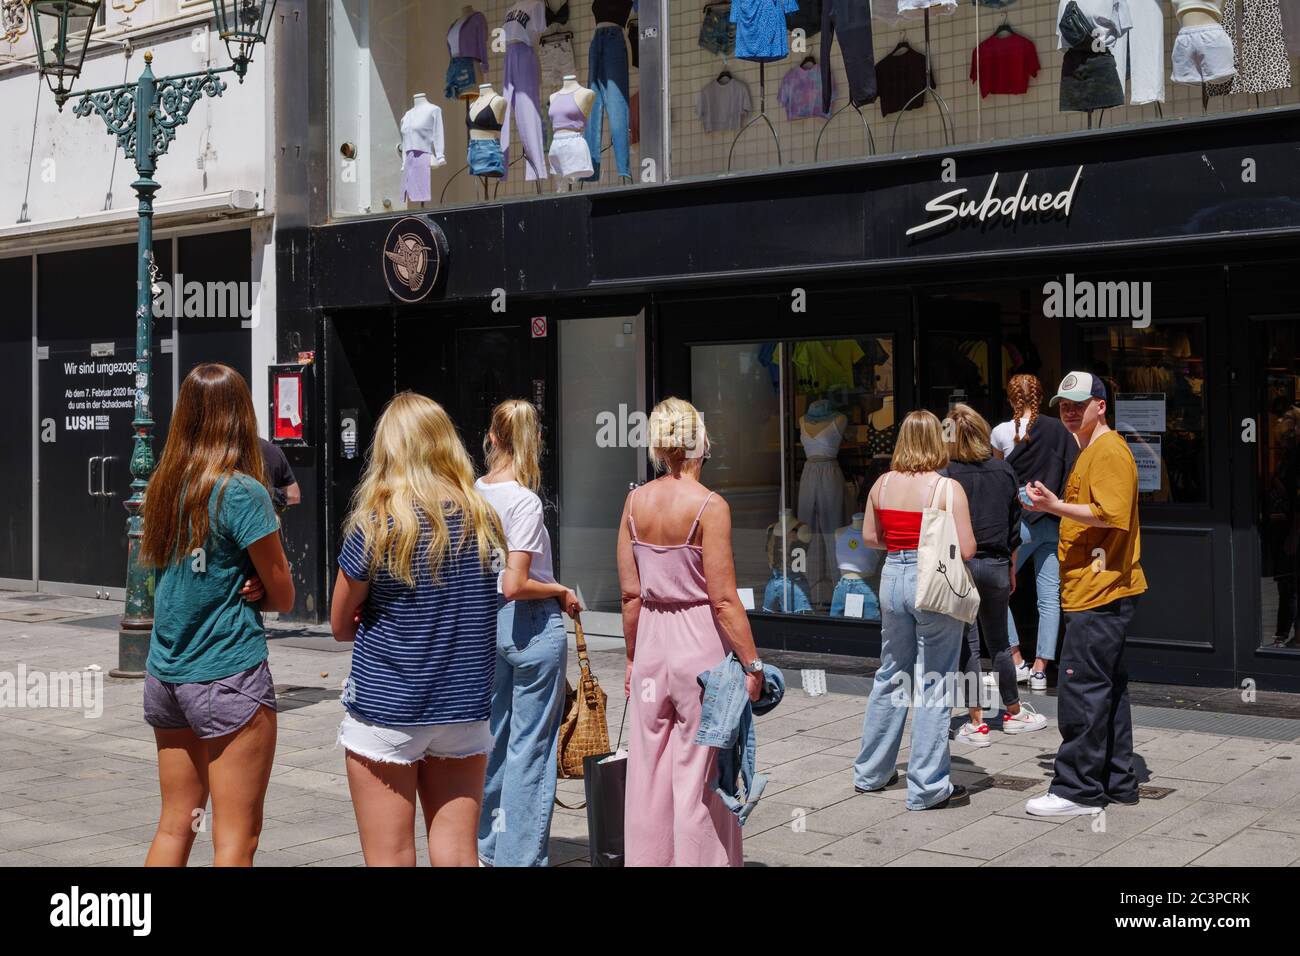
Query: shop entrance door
[{"x": 960, "y": 356}]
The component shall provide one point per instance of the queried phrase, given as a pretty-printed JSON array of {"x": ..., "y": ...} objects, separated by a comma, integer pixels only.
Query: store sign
[
  {"x": 993, "y": 206},
  {"x": 415, "y": 256}
]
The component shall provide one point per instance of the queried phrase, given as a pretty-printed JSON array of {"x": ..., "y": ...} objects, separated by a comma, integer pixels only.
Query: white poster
[
  {"x": 1146, "y": 455},
  {"x": 853, "y": 605},
  {"x": 1140, "y": 412}
]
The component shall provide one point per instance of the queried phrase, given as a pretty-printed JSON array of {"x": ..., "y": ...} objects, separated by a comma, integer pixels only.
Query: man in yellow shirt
[{"x": 1101, "y": 578}]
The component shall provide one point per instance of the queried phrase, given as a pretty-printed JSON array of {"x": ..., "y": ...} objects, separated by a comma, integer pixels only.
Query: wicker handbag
[{"x": 584, "y": 730}]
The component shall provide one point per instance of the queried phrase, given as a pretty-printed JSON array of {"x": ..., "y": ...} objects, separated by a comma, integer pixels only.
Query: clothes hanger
[
  {"x": 556, "y": 36},
  {"x": 902, "y": 47},
  {"x": 807, "y": 60},
  {"x": 1004, "y": 28},
  {"x": 724, "y": 76}
]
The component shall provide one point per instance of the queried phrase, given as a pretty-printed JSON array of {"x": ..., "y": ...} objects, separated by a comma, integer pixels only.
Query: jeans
[
  {"x": 527, "y": 707},
  {"x": 607, "y": 75},
  {"x": 1038, "y": 540},
  {"x": 992, "y": 578},
  {"x": 918, "y": 661},
  {"x": 774, "y": 596},
  {"x": 847, "y": 586}
]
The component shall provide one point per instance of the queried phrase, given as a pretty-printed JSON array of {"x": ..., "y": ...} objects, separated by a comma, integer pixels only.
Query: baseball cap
[{"x": 1079, "y": 387}]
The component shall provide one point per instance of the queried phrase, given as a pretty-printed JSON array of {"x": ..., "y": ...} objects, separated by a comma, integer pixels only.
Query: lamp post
[{"x": 143, "y": 116}]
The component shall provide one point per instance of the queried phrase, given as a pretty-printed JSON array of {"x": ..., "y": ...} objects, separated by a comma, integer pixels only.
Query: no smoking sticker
[{"x": 539, "y": 327}]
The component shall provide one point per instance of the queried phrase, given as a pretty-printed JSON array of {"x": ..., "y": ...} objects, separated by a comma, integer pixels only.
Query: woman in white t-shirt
[{"x": 532, "y": 650}]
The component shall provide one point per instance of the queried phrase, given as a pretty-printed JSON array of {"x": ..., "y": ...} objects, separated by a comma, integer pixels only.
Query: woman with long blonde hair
[
  {"x": 210, "y": 530},
  {"x": 532, "y": 649},
  {"x": 915, "y": 645},
  {"x": 416, "y": 590}
]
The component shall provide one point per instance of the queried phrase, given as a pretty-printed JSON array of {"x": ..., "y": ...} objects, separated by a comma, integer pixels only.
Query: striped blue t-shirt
[{"x": 423, "y": 655}]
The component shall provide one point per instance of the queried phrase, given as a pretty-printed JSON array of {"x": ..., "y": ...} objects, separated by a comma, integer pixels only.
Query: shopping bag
[
  {"x": 943, "y": 583},
  {"x": 605, "y": 778}
]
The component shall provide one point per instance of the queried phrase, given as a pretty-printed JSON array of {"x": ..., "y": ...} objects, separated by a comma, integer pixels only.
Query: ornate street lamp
[
  {"x": 62, "y": 35},
  {"x": 144, "y": 116}
]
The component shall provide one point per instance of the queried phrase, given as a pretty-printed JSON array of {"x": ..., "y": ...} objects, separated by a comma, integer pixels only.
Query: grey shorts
[{"x": 212, "y": 708}]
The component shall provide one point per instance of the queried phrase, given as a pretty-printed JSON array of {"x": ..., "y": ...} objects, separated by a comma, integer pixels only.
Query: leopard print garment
[{"x": 1255, "y": 28}]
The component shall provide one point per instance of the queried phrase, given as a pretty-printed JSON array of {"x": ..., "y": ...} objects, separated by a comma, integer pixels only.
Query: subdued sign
[{"x": 415, "y": 256}]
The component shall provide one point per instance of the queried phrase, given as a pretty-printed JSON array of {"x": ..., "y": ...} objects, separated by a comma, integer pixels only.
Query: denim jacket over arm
[{"x": 727, "y": 723}]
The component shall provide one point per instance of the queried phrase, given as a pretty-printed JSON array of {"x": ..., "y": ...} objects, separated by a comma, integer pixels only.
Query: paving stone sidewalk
[{"x": 77, "y": 790}]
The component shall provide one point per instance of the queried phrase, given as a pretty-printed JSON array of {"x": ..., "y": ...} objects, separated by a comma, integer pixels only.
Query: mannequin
[
  {"x": 856, "y": 561},
  {"x": 525, "y": 22},
  {"x": 569, "y": 109},
  {"x": 796, "y": 537},
  {"x": 1202, "y": 50},
  {"x": 467, "y": 44},
  {"x": 485, "y": 118},
  {"x": 821, "y": 484},
  {"x": 421, "y": 148}
]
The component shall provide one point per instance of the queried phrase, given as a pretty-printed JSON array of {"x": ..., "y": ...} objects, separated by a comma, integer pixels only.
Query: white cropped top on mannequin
[
  {"x": 422, "y": 131},
  {"x": 826, "y": 443}
]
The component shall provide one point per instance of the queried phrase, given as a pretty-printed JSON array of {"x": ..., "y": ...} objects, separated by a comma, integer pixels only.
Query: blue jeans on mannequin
[
  {"x": 918, "y": 663},
  {"x": 527, "y": 706},
  {"x": 607, "y": 76},
  {"x": 1038, "y": 540}
]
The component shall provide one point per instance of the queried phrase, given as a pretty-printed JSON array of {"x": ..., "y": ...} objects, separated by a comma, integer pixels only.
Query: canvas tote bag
[{"x": 942, "y": 582}]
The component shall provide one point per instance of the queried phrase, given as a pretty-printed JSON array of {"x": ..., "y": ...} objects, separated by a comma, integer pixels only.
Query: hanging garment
[
  {"x": 807, "y": 18},
  {"x": 918, "y": 8},
  {"x": 467, "y": 37},
  {"x": 555, "y": 53},
  {"x": 761, "y": 33},
  {"x": 820, "y": 366},
  {"x": 851, "y": 19},
  {"x": 901, "y": 78},
  {"x": 717, "y": 32},
  {"x": 522, "y": 93},
  {"x": 607, "y": 74},
  {"x": 634, "y": 119},
  {"x": 801, "y": 93},
  {"x": 722, "y": 105},
  {"x": 1090, "y": 79},
  {"x": 634, "y": 41},
  {"x": 559, "y": 15},
  {"x": 462, "y": 79},
  {"x": 1144, "y": 48},
  {"x": 821, "y": 496},
  {"x": 1202, "y": 54},
  {"x": 1004, "y": 64},
  {"x": 1255, "y": 29}
]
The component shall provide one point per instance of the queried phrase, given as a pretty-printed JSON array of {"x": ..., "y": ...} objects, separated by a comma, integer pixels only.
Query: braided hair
[{"x": 1025, "y": 393}]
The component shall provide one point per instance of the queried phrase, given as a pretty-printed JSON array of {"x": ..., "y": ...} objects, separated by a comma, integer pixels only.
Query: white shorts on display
[
  {"x": 411, "y": 744},
  {"x": 570, "y": 156},
  {"x": 917, "y": 8},
  {"x": 556, "y": 59},
  {"x": 1202, "y": 54}
]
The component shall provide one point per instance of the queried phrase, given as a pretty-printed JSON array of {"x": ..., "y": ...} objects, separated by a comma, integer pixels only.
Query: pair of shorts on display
[
  {"x": 462, "y": 78},
  {"x": 570, "y": 156},
  {"x": 1202, "y": 54},
  {"x": 485, "y": 158}
]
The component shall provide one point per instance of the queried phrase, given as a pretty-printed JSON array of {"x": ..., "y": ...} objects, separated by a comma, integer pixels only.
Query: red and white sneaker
[
  {"x": 1023, "y": 722},
  {"x": 974, "y": 736}
]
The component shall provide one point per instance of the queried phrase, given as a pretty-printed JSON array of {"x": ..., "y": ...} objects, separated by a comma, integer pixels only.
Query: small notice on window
[
  {"x": 746, "y": 598},
  {"x": 853, "y": 605},
  {"x": 1146, "y": 455},
  {"x": 1140, "y": 412}
]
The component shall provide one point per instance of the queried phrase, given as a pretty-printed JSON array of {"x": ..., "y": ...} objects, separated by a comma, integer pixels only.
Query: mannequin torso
[
  {"x": 583, "y": 98},
  {"x": 488, "y": 100}
]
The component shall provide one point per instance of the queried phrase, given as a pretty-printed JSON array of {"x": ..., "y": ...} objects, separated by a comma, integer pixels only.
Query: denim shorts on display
[
  {"x": 411, "y": 744},
  {"x": 1202, "y": 54},
  {"x": 570, "y": 156},
  {"x": 847, "y": 586},
  {"x": 717, "y": 32},
  {"x": 486, "y": 158},
  {"x": 462, "y": 78},
  {"x": 211, "y": 708},
  {"x": 774, "y": 594}
]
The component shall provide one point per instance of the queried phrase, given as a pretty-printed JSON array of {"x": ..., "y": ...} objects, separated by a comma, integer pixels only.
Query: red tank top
[{"x": 902, "y": 528}]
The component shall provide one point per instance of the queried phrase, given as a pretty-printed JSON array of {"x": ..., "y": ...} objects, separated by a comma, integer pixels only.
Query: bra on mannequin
[{"x": 485, "y": 120}]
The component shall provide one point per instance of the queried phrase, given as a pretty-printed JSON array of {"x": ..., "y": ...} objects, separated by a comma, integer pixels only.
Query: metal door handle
[
  {"x": 90, "y": 477},
  {"x": 103, "y": 477}
]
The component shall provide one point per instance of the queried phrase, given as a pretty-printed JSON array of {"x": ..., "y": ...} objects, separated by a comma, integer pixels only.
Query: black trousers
[
  {"x": 1094, "y": 765},
  {"x": 851, "y": 19}
]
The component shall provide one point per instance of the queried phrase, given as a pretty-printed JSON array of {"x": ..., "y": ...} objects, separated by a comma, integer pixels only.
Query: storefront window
[
  {"x": 800, "y": 430},
  {"x": 438, "y": 102},
  {"x": 1156, "y": 379}
]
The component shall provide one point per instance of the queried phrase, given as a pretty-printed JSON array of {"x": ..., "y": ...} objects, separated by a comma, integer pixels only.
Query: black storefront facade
[{"x": 1165, "y": 258}]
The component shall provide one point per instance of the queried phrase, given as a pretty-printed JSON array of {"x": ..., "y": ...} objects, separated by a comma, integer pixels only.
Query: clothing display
[
  {"x": 801, "y": 93},
  {"x": 463, "y": 78},
  {"x": 1290, "y": 13},
  {"x": 821, "y": 494},
  {"x": 1144, "y": 48},
  {"x": 634, "y": 41},
  {"x": 807, "y": 18},
  {"x": 416, "y": 168},
  {"x": 611, "y": 11},
  {"x": 775, "y": 596},
  {"x": 721, "y": 104},
  {"x": 852, "y": 585},
  {"x": 851, "y": 19},
  {"x": 1090, "y": 80},
  {"x": 761, "y": 33},
  {"x": 1004, "y": 64},
  {"x": 486, "y": 158},
  {"x": 559, "y": 15},
  {"x": 852, "y": 553},
  {"x": 823, "y": 365},
  {"x": 569, "y": 155},
  {"x": 607, "y": 75},
  {"x": 1255, "y": 29},
  {"x": 634, "y": 118},
  {"x": 1202, "y": 54},
  {"x": 918, "y": 8},
  {"x": 467, "y": 39},
  {"x": 422, "y": 131},
  {"x": 485, "y": 119},
  {"x": 901, "y": 76},
  {"x": 524, "y": 22},
  {"x": 555, "y": 53},
  {"x": 717, "y": 32},
  {"x": 522, "y": 94}
]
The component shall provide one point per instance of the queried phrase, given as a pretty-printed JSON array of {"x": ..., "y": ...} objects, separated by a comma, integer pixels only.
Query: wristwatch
[{"x": 754, "y": 667}]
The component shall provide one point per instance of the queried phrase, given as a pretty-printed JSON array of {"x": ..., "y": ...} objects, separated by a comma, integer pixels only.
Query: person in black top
[
  {"x": 284, "y": 486},
  {"x": 990, "y": 487}
]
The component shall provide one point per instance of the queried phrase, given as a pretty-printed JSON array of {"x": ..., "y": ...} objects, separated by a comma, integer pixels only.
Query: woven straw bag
[{"x": 584, "y": 731}]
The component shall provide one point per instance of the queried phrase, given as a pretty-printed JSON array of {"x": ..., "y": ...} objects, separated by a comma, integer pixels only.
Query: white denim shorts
[
  {"x": 412, "y": 744},
  {"x": 1202, "y": 54},
  {"x": 556, "y": 59},
  {"x": 570, "y": 156}
]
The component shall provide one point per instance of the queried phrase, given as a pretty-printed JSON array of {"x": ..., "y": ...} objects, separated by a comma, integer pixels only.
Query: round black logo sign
[{"x": 415, "y": 255}]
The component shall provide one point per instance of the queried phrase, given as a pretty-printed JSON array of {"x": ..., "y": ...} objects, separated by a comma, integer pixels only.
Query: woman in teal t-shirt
[{"x": 211, "y": 531}]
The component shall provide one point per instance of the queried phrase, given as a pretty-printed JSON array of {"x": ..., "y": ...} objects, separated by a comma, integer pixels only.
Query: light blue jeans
[
  {"x": 1038, "y": 540},
  {"x": 527, "y": 706},
  {"x": 919, "y": 651},
  {"x": 607, "y": 75}
]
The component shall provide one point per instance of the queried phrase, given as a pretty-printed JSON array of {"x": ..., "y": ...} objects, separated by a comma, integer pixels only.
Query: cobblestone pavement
[{"x": 81, "y": 790}]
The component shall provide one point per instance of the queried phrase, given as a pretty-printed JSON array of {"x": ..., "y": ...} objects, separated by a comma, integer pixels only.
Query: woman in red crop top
[{"x": 919, "y": 650}]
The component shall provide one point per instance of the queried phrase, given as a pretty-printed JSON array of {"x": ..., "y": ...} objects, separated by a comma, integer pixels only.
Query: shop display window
[
  {"x": 1156, "y": 379},
  {"x": 799, "y": 430}
]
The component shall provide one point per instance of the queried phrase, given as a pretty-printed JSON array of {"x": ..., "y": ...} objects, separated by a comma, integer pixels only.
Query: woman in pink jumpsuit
[{"x": 681, "y": 617}]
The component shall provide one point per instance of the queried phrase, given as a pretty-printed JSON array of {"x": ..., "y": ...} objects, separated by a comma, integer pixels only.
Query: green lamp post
[{"x": 143, "y": 116}]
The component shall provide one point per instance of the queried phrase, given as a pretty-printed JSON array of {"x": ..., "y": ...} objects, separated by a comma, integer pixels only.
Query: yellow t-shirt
[{"x": 1100, "y": 565}]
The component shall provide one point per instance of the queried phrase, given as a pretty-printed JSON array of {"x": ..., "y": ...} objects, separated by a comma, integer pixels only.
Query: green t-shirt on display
[{"x": 202, "y": 629}]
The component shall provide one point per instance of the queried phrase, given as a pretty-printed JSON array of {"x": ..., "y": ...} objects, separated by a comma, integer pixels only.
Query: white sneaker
[
  {"x": 973, "y": 735},
  {"x": 1050, "y": 805},
  {"x": 1026, "y": 721},
  {"x": 989, "y": 679},
  {"x": 1038, "y": 680},
  {"x": 1022, "y": 672}
]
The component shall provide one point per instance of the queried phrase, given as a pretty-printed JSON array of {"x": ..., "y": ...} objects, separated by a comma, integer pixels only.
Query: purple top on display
[
  {"x": 801, "y": 92},
  {"x": 468, "y": 37},
  {"x": 566, "y": 114}
]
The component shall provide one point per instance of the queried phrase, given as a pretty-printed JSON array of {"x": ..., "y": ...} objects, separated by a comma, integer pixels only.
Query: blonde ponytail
[{"x": 518, "y": 429}]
